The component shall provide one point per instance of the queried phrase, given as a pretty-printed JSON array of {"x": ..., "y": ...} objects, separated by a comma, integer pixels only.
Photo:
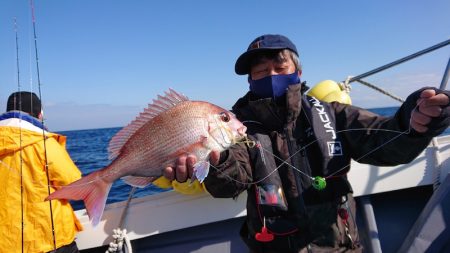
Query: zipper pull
[{"x": 264, "y": 235}]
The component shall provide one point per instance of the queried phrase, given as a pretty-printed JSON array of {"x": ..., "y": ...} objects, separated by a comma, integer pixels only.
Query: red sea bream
[{"x": 171, "y": 126}]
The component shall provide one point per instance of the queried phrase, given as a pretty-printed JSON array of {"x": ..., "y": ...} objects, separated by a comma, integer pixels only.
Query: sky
[{"x": 102, "y": 61}]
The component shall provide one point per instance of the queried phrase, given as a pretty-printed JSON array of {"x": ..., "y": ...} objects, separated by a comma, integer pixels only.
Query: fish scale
[{"x": 158, "y": 149}]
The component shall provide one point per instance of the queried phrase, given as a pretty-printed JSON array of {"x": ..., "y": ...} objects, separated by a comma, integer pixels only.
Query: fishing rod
[
  {"x": 404, "y": 59},
  {"x": 444, "y": 80},
  {"x": 20, "y": 133},
  {"x": 42, "y": 118}
]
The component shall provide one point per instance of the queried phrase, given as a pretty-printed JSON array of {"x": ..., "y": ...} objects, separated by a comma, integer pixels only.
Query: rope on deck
[{"x": 121, "y": 240}]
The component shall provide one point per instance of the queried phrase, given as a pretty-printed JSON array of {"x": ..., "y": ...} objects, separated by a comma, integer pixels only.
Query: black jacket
[{"x": 298, "y": 139}]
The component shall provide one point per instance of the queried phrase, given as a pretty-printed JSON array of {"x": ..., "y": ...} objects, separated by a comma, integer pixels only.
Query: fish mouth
[{"x": 242, "y": 132}]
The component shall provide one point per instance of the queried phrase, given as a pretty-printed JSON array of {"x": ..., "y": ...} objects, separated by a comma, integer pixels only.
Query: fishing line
[
  {"x": 252, "y": 144},
  {"x": 387, "y": 142},
  {"x": 284, "y": 162},
  {"x": 400, "y": 133}
]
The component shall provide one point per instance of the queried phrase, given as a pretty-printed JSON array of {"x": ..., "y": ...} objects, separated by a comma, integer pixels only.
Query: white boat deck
[{"x": 170, "y": 211}]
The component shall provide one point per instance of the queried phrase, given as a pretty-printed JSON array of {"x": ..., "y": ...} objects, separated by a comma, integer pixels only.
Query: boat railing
[{"x": 438, "y": 174}]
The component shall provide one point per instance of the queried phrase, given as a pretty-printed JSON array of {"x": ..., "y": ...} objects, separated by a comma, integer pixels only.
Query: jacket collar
[
  {"x": 273, "y": 114},
  {"x": 22, "y": 116}
]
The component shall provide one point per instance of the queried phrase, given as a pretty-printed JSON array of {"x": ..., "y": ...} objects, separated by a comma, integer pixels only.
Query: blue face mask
[{"x": 273, "y": 86}]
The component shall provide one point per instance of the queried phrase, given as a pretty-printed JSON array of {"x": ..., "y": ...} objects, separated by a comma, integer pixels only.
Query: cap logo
[{"x": 255, "y": 45}]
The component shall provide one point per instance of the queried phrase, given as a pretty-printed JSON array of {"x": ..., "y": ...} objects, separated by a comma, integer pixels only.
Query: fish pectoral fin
[
  {"x": 139, "y": 182},
  {"x": 201, "y": 170},
  {"x": 203, "y": 139}
]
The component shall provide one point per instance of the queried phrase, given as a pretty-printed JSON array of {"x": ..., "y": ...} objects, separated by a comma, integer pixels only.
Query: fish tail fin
[{"x": 92, "y": 189}]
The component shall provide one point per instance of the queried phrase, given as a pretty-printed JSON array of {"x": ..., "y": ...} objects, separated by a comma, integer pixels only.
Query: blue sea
[{"x": 88, "y": 149}]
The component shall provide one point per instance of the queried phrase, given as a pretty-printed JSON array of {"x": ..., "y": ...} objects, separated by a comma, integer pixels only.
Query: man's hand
[
  {"x": 429, "y": 106},
  {"x": 184, "y": 166}
]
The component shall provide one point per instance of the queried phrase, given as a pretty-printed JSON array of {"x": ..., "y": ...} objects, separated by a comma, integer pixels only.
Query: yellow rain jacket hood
[{"x": 22, "y": 164}]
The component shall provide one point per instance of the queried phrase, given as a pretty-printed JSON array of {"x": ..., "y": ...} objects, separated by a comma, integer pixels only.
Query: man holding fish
[{"x": 299, "y": 198}]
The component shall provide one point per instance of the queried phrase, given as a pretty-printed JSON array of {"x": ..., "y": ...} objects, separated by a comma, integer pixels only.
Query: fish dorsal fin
[{"x": 162, "y": 104}]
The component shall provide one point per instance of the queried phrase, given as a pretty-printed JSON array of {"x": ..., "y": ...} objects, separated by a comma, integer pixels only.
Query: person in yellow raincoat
[{"x": 29, "y": 170}]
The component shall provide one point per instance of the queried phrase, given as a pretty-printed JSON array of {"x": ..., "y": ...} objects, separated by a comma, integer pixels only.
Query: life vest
[{"x": 281, "y": 194}]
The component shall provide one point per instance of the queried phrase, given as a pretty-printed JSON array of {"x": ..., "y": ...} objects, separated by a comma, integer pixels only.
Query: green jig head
[{"x": 319, "y": 183}]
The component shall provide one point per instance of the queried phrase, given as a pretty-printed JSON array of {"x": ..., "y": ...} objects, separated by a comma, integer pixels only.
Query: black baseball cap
[
  {"x": 262, "y": 43},
  {"x": 24, "y": 101}
]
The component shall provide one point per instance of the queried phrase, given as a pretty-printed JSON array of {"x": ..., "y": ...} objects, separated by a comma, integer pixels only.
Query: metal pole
[
  {"x": 445, "y": 77},
  {"x": 371, "y": 225},
  {"x": 407, "y": 58},
  {"x": 438, "y": 172}
]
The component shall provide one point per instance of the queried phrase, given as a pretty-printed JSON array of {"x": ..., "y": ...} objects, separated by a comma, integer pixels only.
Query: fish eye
[{"x": 224, "y": 116}]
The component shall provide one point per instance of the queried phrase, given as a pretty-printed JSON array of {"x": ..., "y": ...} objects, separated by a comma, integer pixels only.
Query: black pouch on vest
[{"x": 270, "y": 199}]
